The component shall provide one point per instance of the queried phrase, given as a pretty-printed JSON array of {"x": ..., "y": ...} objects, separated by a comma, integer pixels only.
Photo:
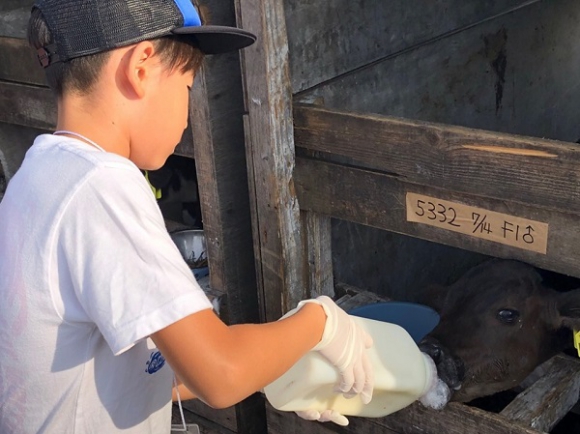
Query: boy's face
[{"x": 165, "y": 117}]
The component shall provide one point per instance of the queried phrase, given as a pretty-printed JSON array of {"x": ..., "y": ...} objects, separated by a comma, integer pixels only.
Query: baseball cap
[{"x": 83, "y": 27}]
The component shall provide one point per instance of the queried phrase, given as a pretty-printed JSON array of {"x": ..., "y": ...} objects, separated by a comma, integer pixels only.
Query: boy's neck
[{"x": 85, "y": 115}]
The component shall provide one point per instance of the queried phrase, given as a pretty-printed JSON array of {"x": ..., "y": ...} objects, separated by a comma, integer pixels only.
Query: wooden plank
[
  {"x": 514, "y": 74},
  {"x": 217, "y": 119},
  {"x": 546, "y": 402},
  {"x": 525, "y": 169},
  {"x": 14, "y": 16},
  {"x": 262, "y": 299},
  {"x": 222, "y": 178},
  {"x": 27, "y": 105},
  {"x": 317, "y": 229},
  {"x": 289, "y": 423},
  {"x": 354, "y": 297},
  {"x": 335, "y": 38},
  {"x": 455, "y": 418},
  {"x": 378, "y": 200},
  {"x": 271, "y": 151},
  {"x": 454, "y": 80},
  {"x": 17, "y": 62}
]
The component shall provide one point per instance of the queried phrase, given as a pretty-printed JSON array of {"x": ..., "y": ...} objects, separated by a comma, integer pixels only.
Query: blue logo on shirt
[{"x": 155, "y": 363}]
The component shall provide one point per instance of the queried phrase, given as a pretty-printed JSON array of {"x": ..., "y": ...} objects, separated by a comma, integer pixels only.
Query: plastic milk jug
[{"x": 402, "y": 375}]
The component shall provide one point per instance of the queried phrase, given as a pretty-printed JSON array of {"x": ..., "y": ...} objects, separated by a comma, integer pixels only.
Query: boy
[{"x": 99, "y": 312}]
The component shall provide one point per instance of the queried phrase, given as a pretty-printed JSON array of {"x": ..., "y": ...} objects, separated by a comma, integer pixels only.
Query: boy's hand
[
  {"x": 343, "y": 344},
  {"x": 325, "y": 416}
]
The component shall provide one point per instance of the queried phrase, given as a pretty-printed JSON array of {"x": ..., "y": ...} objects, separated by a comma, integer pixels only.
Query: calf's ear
[{"x": 567, "y": 309}]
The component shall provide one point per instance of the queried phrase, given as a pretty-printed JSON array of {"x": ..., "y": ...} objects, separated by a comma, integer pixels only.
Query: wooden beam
[
  {"x": 17, "y": 62},
  {"x": 289, "y": 423},
  {"x": 14, "y": 16},
  {"x": 461, "y": 79},
  {"x": 528, "y": 170},
  {"x": 27, "y": 105},
  {"x": 352, "y": 297},
  {"x": 379, "y": 200},
  {"x": 223, "y": 185},
  {"x": 217, "y": 111},
  {"x": 271, "y": 156},
  {"x": 389, "y": 28},
  {"x": 455, "y": 418},
  {"x": 318, "y": 243},
  {"x": 542, "y": 405}
]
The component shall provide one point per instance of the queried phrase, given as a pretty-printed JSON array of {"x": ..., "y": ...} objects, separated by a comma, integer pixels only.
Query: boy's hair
[{"x": 80, "y": 74}]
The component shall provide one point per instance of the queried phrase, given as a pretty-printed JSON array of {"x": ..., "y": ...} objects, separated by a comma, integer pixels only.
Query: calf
[{"x": 498, "y": 323}]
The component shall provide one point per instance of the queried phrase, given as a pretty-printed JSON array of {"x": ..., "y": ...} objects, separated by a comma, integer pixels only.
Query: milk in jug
[{"x": 403, "y": 374}]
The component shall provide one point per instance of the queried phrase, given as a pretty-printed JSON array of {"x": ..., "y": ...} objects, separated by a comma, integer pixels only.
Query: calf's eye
[{"x": 508, "y": 316}]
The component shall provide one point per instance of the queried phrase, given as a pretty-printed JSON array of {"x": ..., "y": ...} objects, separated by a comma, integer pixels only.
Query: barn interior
[{"x": 508, "y": 68}]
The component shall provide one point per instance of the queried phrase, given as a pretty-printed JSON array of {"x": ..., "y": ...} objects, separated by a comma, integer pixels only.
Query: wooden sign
[{"x": 477, "y": 222}]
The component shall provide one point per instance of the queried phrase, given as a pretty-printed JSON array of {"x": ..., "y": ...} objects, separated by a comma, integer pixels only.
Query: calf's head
[{"x": 501, "y": 322}]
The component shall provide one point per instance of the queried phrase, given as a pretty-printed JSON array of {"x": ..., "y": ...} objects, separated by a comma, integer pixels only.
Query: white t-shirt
[{"x": 87, "y": 273}]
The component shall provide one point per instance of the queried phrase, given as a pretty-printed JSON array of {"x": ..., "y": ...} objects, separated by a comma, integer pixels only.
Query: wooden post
[
  {"x": 318, "y": 246},
  {"x": 270, "y": 150},
  {"x": 218, "y": 135},
  {"x": 222, "y": 180}
]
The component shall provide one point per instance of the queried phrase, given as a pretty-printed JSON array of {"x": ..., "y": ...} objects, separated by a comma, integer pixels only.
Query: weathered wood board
[
  {"x": 217, "y": 142},
  {"x": 387, "y": 158},
  {"x": 456, "y": 418},
  {"x": 27, "y": 105},
  {"x": 216, "y": 118},
  {"x": 516, "y": 73},
  {"x": 525, "y": 169},
  {"x": 270, "y": 155},
  {"x": 329, "y": 38},
  {"x": 548, "y": 400},
  {"x": 318, "y": 245},
  {"x": 14, "y": 17},
  {"x": 18, "y": 64}
]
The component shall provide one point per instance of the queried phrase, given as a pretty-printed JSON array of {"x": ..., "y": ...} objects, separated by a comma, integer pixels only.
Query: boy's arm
[
  {"x": 184, "y": 393},
  {"x": 222, "y": 365}
]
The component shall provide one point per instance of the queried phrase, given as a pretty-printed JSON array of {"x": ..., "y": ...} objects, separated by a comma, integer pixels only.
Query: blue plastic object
[
  {"x": 418, "y": 319},
  {"x": 200, "y": 273}
]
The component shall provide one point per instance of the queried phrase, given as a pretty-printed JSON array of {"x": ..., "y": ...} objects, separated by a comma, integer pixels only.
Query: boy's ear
[{"x": 137, "y": 68}]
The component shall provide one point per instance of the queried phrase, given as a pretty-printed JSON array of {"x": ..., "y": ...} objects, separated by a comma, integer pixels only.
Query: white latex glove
[
  {"x": 325, "y": 416},
  {"x": 343, "y": 344}
]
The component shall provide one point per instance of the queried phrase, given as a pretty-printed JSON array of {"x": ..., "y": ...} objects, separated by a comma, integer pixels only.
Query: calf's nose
[{"x": 450, "y": 368}]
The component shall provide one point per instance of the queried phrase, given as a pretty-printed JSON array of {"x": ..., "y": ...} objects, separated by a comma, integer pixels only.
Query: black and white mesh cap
[{"x": 83, "y": 27}]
